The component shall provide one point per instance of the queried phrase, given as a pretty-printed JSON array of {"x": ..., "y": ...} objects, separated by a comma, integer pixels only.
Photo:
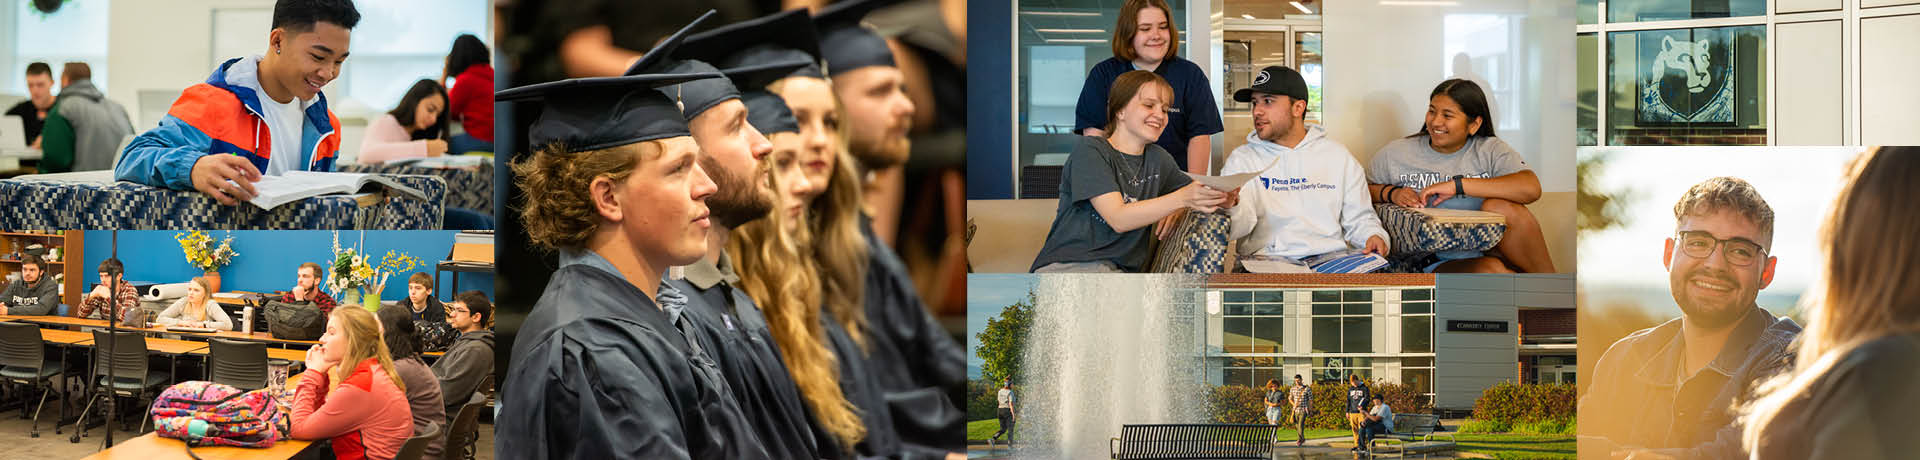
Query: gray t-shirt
[
  {"x": 1411, "y": 162},
  {"x": 1095, "y": 168},
  {"x": 1277, "y": 397}
]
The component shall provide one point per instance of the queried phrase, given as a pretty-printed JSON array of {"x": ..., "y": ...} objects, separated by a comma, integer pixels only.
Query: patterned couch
[
  {"x": 94, "y": 201},
  {"x": 468, "y": 188},
  {"x": 1199, "y": 242}
]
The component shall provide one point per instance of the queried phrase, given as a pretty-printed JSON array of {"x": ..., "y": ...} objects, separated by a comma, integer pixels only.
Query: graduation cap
[
  {"x": 779, "y": 37},
  {"x": 845, "y": 43},
  {"x": 697, "y": 96},
  {"x": 768, "y": 113},
  {"x": 603, "y": 112}
]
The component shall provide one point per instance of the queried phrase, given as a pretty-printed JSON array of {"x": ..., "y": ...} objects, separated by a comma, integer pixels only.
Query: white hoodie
[{"x": 1312, "y": 200}]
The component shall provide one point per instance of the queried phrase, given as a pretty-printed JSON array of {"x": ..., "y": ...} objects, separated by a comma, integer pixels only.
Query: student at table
[
  {"x": 1145, "y": 39},
  {"x": 351, "y": 394},
  {"x": 603, "y": 366},
  {"x": 260, "y": 114},
  {"x": 33, "y": 110},
  {"x": 306, "y": 288},
  {"x": 34, "y": 294},
  {"x": 197, "y": 309},
  {"x": 470, "y": 360},
  {"x": 420, "y": 300},
  {"x": 470, "y": 99},
  {"x": 424, "y": 399},
  {"x": 125, "y": 300},
  {"x": 416, "y": 128}
]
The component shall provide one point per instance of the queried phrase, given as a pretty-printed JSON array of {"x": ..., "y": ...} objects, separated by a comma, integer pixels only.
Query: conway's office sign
[{"x": 1454, "y": 325}]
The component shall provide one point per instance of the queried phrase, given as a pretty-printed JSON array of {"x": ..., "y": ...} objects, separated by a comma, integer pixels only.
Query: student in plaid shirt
[
  {"x": 1301, "y": 396},
  {"x": 95, "y": 305},
  {"x": 307, "y": 289}
]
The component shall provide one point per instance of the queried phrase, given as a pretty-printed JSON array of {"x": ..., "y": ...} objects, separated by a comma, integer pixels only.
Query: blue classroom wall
[
  {"x": 989, "y": 95},
  {"x": 268, "y": 260}
]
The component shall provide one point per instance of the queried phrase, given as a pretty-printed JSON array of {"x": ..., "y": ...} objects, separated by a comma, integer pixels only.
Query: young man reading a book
[
  {"x": 1309, "y": 202},
  {"x": 255, "y": 115}
]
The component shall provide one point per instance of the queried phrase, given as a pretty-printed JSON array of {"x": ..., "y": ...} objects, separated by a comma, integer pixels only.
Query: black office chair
[
  {"x": 416, "y": 446},
  {"x": 462, "y": 433},
  {"x": 25, "y": 357},
  {"x": 132, "y": 377},
  {"x": 240, "y": 364}
]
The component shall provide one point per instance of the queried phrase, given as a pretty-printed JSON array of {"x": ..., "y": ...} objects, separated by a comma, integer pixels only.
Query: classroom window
[
  {"x": 1667, "y": 10},
  {"x": 1586, "y": 90},
  {"x": 1326, "y": 370},
  {"x": 1416, "y": 333},
  {"x": 39, "y": 37}
]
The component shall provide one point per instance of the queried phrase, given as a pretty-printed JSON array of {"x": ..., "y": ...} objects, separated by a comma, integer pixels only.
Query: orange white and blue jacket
[{"x": 223, "y": 116}]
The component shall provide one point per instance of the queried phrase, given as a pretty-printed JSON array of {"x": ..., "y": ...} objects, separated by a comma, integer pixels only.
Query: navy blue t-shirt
[
  {"x": 1193, "y": 113},
  {"x": 1357, "y": 396}
]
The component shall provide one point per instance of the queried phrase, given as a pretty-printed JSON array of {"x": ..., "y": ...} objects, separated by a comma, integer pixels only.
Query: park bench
[
  {"x": 1409, "y": 428},
  {"x": 1193, "y": 441}
]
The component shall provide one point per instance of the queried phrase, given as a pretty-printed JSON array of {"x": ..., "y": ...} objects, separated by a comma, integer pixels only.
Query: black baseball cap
[{"x": 1275, "y": 79}]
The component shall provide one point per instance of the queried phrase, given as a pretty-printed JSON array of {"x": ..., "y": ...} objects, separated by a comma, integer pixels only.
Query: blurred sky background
[{"x": 1620, "y": 267}]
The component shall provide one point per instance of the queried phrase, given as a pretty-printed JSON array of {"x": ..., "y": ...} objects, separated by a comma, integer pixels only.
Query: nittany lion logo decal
[
  {"x": 1686, "y": 77},
  {"x": 1261, "y": 79}
]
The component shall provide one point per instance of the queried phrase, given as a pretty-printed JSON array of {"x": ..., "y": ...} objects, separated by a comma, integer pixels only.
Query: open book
[
  {"x": 298, "y": 185},
  {"x": 444, "y": 161},
  {"x": 1337, "y": 262}
]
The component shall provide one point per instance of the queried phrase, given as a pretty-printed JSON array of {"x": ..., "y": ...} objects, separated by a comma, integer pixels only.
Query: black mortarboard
[
  {"x": 766, "y": 111},
  {"x": 779, "y": 37},
  {"x": 845, "y": 43},
  {"x": 721, "y": 46},
  {"x": 603, "y": 112}
]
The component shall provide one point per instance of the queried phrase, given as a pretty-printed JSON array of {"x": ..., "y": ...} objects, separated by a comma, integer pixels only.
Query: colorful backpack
[{"x": 208, "y": 414}]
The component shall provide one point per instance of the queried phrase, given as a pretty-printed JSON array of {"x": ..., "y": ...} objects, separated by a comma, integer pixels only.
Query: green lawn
[
  {"x": 1517, "y": 446},
  {"x": 980, "y": 430}
]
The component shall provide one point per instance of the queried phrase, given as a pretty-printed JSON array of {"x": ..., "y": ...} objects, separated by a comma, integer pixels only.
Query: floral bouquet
[
  {"x": 349, "y": 270},
  {"x": 202, "y": 253},
  {"x": 354, "y": 269}
]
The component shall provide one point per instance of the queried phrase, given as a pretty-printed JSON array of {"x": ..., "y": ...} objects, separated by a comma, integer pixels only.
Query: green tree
[
  {"x": 1598, "y": 209},
  {"x": 1003, "y": 340}
]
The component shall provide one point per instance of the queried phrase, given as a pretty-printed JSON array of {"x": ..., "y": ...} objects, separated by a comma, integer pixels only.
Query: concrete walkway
[{"x": 1317, "y": 449}]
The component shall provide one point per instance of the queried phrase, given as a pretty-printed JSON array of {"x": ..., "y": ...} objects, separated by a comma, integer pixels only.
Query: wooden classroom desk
[
  {"x": 65, "y": 337},
  {"x": 174, "y": 347},
  {"x": 289, "y": 354},
  {"x": 151, "y": 446}
]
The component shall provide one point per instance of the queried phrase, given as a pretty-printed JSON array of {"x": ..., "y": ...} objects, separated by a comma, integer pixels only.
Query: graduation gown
[
  {"x": 598, "y": 371},
  {"x": 918, "y": 366},
  {"x": 863, "y": 391},
  {"x": 735, "y": 332}
]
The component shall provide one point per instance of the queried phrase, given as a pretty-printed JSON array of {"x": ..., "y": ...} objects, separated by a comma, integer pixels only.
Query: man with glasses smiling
[{"x": 1673, "y": 390}]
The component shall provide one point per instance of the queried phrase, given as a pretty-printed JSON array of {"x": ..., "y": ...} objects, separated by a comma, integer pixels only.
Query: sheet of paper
[
  {"x": 1223, "y": 183},
  {"x": 1272, "y": 266}
]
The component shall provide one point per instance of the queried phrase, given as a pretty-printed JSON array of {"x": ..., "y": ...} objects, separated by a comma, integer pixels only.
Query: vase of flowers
[
  {"x": 352, "y": 269},
  {"x": 203, "y": 253}
]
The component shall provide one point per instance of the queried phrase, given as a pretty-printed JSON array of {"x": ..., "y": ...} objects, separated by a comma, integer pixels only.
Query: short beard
[
  {"x": 738, "y": 200},
  {"x": 881, "y": 153},
  {"x": 1712, "y": 320}
]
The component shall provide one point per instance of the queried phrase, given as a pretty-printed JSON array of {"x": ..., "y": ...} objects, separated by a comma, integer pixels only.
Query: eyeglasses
[
  {"x": 457, "y": 310},
  {"x": 1739, "y": 251}
]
